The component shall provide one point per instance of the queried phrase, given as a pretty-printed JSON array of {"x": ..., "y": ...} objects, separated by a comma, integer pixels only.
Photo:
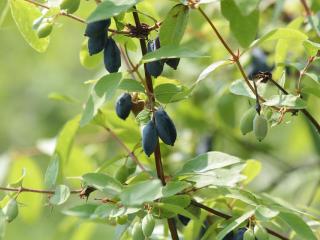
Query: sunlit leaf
[{"x": 24, "y": 15}]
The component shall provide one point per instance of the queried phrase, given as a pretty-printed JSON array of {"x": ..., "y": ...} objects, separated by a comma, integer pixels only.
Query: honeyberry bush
[{"x": 200, "y": 120}]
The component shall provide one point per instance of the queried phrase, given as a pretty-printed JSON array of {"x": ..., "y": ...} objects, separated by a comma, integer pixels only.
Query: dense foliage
[{"x": 201, "y": 121}]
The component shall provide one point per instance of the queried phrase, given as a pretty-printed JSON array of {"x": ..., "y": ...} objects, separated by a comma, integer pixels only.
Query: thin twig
[
  {"x": 124, "y": 146},
  {"x": 63, "y": 13},
  {"x": 23, "y": 189},
  {"x": 304, "y": 111},
  {"x": 134, "y": 67},
  {"x": 157, "y": 153},
  {"x": 236, "y": 59},
  {"x": 227, "y": 216}
]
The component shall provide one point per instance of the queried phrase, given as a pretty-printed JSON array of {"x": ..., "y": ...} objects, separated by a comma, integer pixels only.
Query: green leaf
[
  {"x": 86, "y": 60},
  {"x": 247, "y": 6},
  {"x": 19, "y": 181},
  {"x": 110, "y": 8},
  {"x": 234, "y": 223},
  {"x": 218, "y": 177},
  {"x": 89, "y": 112},
  {"x": 66, "y": 138},
  {"x": 298, "y": 225},
  {"x": 252, "y": 169},
  {"x": 139, "y": 193},
  {"x": 293, "y": 35},
  {"x": 239, "y": 87},
  {"x": 171, "y": 51},
  {"x": 61, "y": 97},
  {"x": 107, "y": 85},
  {"x": 282, "y": 47},
  {"x": 313, "y": 76},
  {"x": 103, "y": 90},
  {"x": 177, "y": 210},
  {"x": 290, "y": 101},
  {"x": 243, "y": 27},
  {"x": 103, "y": 182},
  {"x": 209, "y": 161},
  {"x": 52, "y": 172},
  {"x": 24, "y": 14},
  {"x": 61, "y": 195},
  {"x": 264, "y": 213},
  {"x": 173, "y": 27},
  {"x": 131, "y": 85},
  {"x": 311, "y": 47},
  {"x": 174, "y": 187},
  {"x": 103, "y": 211},
  {"x": 81, "y": 211},
  {"x": 168, "y": 92},
  {"x": 3, "y": 224},
  {"x": 211, "y": 68},
  {"x": 182, "y": 200}
]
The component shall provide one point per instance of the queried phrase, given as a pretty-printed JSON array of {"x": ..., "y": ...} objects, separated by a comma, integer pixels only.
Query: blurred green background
[{"x": 209, "y": 120}]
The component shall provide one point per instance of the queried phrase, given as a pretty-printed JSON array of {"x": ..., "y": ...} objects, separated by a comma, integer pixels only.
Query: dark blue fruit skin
[
  {"x": 154, "y": 68},
  {"x": 239, "y": 234},
  {"x": 97, "y": 28},
  {"x": 123, "y": 106},
  {"x": 184, "y": 220},
  {"x": 229, "y": 236},
  {"x": 173, "y": 63},
  {"x": 149, "y": 138},
  {"x": 165, "y": 127},
  {"x": 259, "y": 63},
  {"x": 96, "y": 44},
  {"x": 112, "y": 57}
]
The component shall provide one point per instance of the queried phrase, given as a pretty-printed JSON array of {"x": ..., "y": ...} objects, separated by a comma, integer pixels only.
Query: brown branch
[
  {"x": 309, "y": 16},
  {"x": 306, "y": 7},
  {"x": 236, "y": 59},
  {"x": 157, "y": 153},
  {"x": 124, "y": 146},
  {"x": 304, "y": 111},
  {"x": 63, "y": 13},
  {"x": 23, "y": 189},
  {"x": 226, "y": 216}
]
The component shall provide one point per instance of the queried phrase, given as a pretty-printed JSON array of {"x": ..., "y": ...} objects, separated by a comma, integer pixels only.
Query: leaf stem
[
  {"x": 227, "y": 216},
  {"x": 124, "y": 146},
  {"x": 236, "y": 59},
  {"x": 23, "y": 189},
  {"x": 157, "y": 153}
]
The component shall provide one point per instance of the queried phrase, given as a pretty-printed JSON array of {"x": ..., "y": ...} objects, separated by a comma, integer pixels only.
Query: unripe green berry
[
  {"x": 131, "y": 165},
  {"x": 11, "y": 210},
  {"x": 121, "y": 220},
  {"x": 260, "y": 127},
  {"x": 148, "y": 224},
  {"x": 260, "y": 233},
  {"x": 137, "y": 233},
  {"x": 122, "y": 174},
  {"x": 44, "y": 29},
  {"x": 246, "y": 122},
  {"x": 70, "y": 6},
  {"x": 248, "y": 235}
]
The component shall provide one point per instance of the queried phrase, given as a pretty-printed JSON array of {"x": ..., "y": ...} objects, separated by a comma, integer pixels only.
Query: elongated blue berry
[
  {"x": 112, "y": 57},
  {"x": 123, "y": 105},
  {"x": 97, "y": 28},
  {"x": 149, "y": 138},
  {"x": 173, "y": 62},
  {"x": 154, "y": 68},
  {"x": 96, "y": 44},
  {"x": 165, "y": 127}
]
